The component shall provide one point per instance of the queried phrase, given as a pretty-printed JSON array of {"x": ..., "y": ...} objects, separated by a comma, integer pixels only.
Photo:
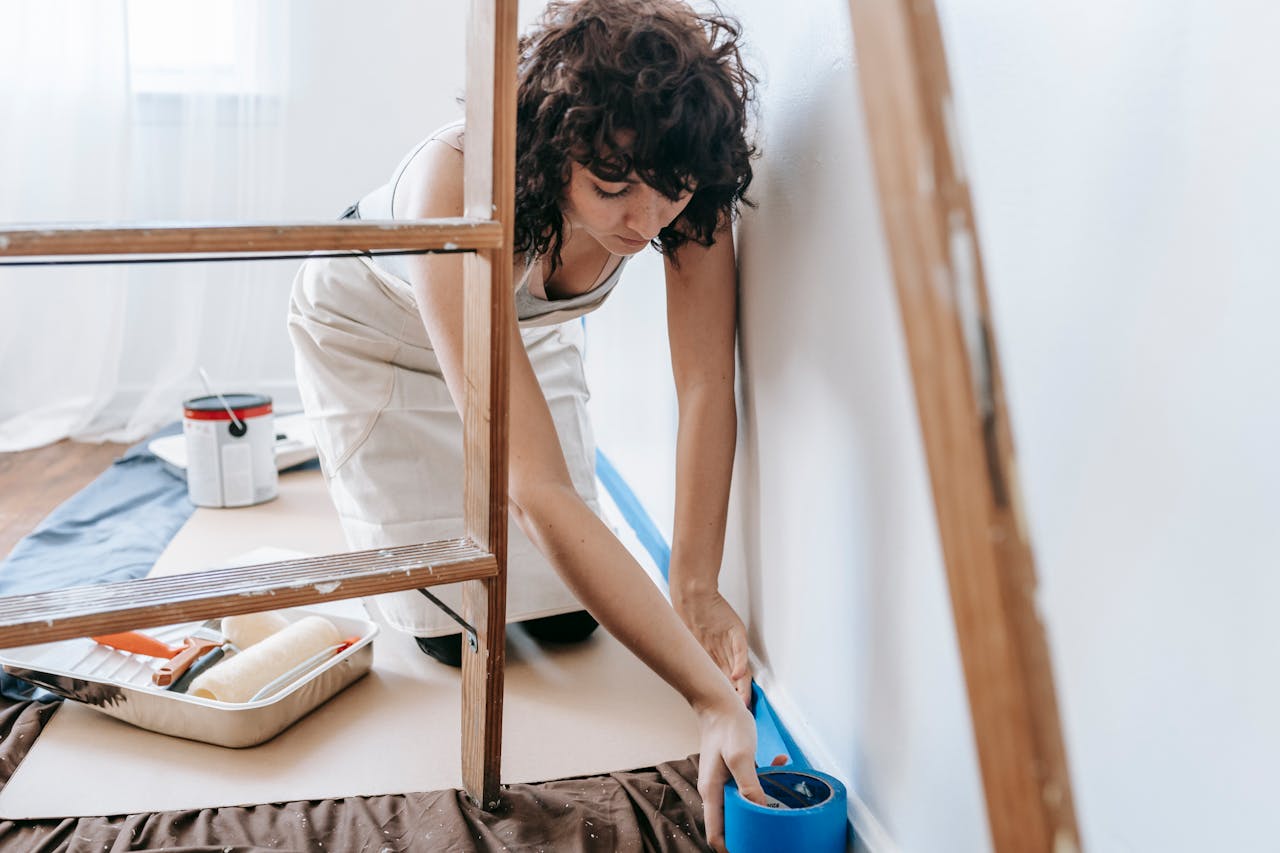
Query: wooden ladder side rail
[
  {"x": 928, "y": 218},
  {"x": 489, "y": 194},
  {"x": 447, "y": 235},
  {"x": 84, "y": 611}
]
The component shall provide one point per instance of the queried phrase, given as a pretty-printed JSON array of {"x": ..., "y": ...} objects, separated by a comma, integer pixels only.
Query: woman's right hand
[{"x": 728, "y": 748}]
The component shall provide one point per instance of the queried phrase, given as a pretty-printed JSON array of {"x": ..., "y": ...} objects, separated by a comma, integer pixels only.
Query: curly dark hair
[{"x": 596, "y": 73}]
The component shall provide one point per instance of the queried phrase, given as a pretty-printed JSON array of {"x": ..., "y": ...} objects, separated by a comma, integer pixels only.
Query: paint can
[{"x": 230, "y": 441}]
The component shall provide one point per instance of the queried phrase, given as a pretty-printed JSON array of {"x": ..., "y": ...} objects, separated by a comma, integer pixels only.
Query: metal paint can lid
[{"x": 244, "y": 406}]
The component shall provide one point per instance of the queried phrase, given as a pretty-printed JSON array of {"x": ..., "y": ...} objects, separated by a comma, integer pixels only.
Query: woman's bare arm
[{"x": 702, "y": 329}]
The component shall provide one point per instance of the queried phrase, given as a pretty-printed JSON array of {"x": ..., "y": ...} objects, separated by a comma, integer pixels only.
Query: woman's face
[{"x": 623, "y": 216}]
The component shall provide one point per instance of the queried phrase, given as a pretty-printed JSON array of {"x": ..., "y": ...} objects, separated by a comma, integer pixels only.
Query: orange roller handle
[
  {"x": 193, "y": 648},
  {"x": 137, "y": 642}
]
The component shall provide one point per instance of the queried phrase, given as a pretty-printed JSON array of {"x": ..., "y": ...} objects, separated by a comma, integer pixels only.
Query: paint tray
[{"x": 119, "y": 684}]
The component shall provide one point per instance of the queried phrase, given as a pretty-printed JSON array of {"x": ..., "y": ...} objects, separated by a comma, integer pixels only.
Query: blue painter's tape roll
[{"x": 807, "y": 811}]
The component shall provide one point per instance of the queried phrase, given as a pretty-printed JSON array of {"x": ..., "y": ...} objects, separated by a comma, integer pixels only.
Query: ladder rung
[
  {"x": 148, "y": 239},
  {"x": 107, "y": 608}
]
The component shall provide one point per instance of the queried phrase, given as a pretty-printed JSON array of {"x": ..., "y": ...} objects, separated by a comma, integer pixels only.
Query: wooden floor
[{"x": 34, "y": 482}]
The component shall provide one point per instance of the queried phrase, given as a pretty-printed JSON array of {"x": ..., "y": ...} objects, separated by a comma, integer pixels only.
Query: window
[{"x": 206, "y": 47}]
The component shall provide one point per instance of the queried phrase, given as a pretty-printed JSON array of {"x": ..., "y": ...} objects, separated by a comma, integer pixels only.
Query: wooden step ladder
[{"x": 478, "y": 561}]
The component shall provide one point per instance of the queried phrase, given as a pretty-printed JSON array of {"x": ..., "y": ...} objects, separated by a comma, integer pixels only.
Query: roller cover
[
  {"x": 238, "y": 678},
  {"x": 252, "y": 628}
]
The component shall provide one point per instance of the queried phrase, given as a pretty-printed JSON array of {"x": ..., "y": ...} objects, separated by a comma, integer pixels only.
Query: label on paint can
[{"x": 230, "y": 460}]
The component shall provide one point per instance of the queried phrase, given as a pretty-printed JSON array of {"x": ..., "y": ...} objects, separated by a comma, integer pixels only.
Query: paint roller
[
  {"x": 249, "y": 629},
  {"x": 269, "y": 660},
  {"x": 236, "y": 633}
]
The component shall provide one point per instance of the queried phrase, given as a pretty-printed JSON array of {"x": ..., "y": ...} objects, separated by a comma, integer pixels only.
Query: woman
[{"x": 631, "y": 131}]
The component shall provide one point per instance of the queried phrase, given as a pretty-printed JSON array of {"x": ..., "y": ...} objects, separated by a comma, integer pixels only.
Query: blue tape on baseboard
[
  {"x": 633, "y": 513},
  {"x": 772, "y": 738}
]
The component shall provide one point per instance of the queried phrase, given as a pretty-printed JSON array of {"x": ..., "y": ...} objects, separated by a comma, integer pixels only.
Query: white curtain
[
  {"x": 62, "y": 84},
  {"x": 142, "y": 110}
]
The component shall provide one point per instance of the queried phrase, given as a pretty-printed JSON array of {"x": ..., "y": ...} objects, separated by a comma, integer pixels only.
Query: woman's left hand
[{"x": 721, "y": 632}]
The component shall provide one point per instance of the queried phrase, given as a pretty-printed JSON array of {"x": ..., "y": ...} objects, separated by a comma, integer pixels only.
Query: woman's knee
[{"x": 563, "y": 628}]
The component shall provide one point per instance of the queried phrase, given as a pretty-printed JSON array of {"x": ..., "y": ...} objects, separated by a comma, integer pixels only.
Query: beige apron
[{"x": 390, "y": 439}]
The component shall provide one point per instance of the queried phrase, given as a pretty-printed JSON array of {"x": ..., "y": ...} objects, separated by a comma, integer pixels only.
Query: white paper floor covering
[{"x": 570, "y": 711}]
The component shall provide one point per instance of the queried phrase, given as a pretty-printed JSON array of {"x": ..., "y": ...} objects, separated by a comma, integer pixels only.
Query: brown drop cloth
[{"x": 651, "y": 809}]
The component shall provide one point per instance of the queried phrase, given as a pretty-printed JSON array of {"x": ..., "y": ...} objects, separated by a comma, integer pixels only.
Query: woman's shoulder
[
  {"x": 425, "y": 169},
  {"x": 451, "y": 134}
]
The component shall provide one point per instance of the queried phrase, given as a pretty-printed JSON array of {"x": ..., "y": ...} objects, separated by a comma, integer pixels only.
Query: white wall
[
  {"x": 1125, "y": 178},
  {"x": 1122, "y": 156},
  {"x": 832, "y": 554},
  {"x": 848, "y": 604}
]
